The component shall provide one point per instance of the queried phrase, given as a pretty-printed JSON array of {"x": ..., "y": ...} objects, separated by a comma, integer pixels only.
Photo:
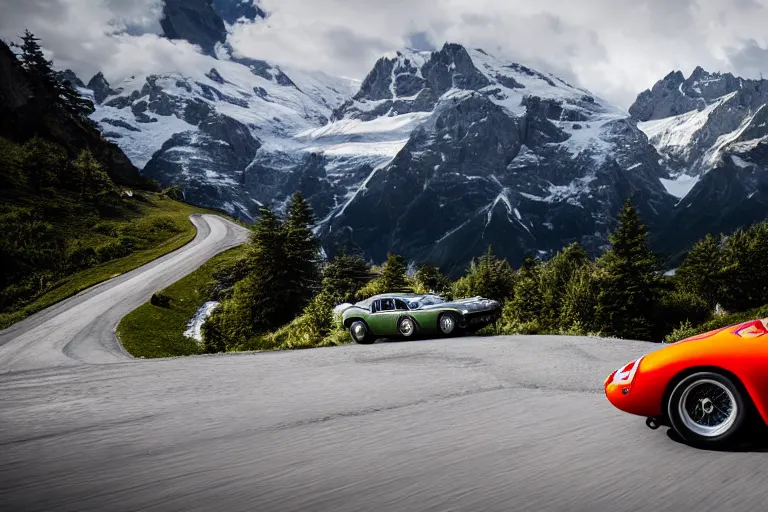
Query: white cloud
[{"x": 616, "y": 48}]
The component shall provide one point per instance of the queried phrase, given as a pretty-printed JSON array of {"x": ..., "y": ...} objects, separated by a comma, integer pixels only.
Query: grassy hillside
[
  {"x": 54, "y": 247},
  {"x": 154, "y": 331}
]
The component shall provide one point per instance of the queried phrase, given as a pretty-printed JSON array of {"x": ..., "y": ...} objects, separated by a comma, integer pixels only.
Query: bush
[
  {"x": 113, "y": 250},
  {"x": 175, "y": 192},
  {"x": 105, "y": 228},
  {"x": 160, "y": 300},
  {"x": 487, "y": 277},
  {"x": 676, "y": 308},
  {"x": 685, "y": 330},
  {"x": 579, "y": 300},
  {"x": 80, "y": 256}
]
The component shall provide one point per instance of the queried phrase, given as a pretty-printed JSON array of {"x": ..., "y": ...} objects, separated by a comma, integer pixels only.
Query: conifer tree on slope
[
  {"x": 344, "y": 276},
  {"x": 393, "y": 276},
  {"x": 259, "y": 301},
  {"x": 40, "y": 72},
  {"x": 556, "y": 274},
  {"x": 489, "y": 277},
  {"x": 525, "y": 307},
  {"x": 302, "y": 260},
  {"x": 33, "y": 61},
  {"x": 629, "y": 280},
  {"x": 700, "y": 272}
]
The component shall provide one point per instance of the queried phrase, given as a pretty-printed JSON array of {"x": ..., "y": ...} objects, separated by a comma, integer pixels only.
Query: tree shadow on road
[{"x": 753, "y": 441}]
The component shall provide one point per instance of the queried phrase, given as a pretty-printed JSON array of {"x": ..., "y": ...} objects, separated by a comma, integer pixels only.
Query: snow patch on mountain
[
  {"x": 674, "y": 136},
  {"x": 680, "y": 185},
  {"x": 139, "y": 141}
]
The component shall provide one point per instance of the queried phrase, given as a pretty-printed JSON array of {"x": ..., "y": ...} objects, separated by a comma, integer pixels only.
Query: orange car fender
[{"x": 744, "y": 358}]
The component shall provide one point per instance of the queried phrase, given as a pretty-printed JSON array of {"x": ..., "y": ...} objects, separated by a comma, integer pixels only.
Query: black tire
[
  {"x": 360, "y": 333},
  {"x": 447, "y": 324},
  {"x": 708, "y": 409}
]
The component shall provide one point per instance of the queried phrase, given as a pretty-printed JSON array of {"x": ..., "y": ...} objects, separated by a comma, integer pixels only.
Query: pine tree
[
  {"x": 629, "y": 280},
  {"x": 344, "y": 276},
  {"x": 745, "y": 269},
  {"x": 88, "y": 176},
  {"x": 71, "y": 100},
  {"x": 522, "y": 313},
  {"x": 54, "y": 86},
  {"x": 577, "y": 312},
  {"x": 261, "y": 300},
  {"x": 701, "y": 271},
  {"x": 555, "y": 276},
  {"x": 44, "y": 163},
  {"x": 487, "y": 277},
  {"x": 38, "y": 69},
  {"x": 432, "y": 280},
  {"x": 393, "y": 275},
  {"x": 302, "y": 254}
]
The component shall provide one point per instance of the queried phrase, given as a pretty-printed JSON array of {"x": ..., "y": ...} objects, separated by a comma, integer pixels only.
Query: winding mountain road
[
  {"x": 81, "y": 329},
  {"x": 492, "y": 424}
]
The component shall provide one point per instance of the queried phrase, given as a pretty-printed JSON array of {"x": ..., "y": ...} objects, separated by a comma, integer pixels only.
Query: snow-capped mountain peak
[{"x": 711, "y": 131}]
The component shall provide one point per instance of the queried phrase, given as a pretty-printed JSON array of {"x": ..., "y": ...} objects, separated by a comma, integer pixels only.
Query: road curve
[{"x": 81, "y": 329}]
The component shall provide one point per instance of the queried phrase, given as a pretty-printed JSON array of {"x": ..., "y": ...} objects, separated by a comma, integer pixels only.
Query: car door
[{"x": 383, "y": 321}]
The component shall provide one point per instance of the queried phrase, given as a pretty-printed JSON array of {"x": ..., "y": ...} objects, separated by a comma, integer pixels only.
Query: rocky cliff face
[{"x": 711, "y": 131}]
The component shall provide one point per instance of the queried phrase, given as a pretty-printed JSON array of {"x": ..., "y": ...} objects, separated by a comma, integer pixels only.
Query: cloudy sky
[{"x": 615, "y": 48}]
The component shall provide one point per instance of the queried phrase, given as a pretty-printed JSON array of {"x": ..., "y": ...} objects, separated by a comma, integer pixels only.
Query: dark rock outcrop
[
  {"x": 101, "y": 88},
  {"x": 232, "y": 11},
  {"x": 195, "y": 21}
]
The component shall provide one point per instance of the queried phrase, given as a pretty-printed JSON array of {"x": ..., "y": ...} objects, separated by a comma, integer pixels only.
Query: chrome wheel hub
[
  {"x": 707, "y": 408},
  {"x": 358, "y": 330},
  {"x": 406, "y": 327},
  {"x": 447, "y": 323}
]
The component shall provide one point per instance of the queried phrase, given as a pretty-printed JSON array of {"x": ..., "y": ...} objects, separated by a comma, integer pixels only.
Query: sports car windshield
[{"x": 427, "y": 300}]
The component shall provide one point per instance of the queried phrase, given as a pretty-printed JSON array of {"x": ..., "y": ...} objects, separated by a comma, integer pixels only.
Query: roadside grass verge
[
  {"x": 151, "y": 331},
  {"x": 154, "y": 226},
  {"x": 686, "y": 330}
]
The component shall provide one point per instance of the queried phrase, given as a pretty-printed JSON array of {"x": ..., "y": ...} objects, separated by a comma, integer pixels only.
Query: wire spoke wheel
[{"x": 707, "y": 408}]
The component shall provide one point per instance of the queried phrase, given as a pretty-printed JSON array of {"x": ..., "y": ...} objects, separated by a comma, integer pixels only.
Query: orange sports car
[{"x": 705, "y": 387}]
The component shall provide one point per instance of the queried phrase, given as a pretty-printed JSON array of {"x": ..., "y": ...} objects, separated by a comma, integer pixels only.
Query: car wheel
[
  {"x": 406, "y": 327},
  {"x": 360, "y": 333},
  {"x": 707, "y": 409},
  {"x": 446, "y": 323}
]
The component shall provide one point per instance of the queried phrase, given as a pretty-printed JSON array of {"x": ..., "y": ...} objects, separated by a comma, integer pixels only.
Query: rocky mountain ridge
[{"x": 711, "y": 131}]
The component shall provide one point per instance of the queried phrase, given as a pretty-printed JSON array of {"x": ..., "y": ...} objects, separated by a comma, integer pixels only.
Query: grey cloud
[
  {"x": 751, "y": 59},
  {"x": 420, "y": 41},
  {"x": 615, "y": 48}
]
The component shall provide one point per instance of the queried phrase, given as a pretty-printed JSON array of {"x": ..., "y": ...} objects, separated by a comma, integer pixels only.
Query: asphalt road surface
[{"x": 467, "y": 424}]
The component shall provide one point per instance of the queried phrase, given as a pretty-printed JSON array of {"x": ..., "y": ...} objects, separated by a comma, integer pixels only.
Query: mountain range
[{"x": 436, "y": 155}]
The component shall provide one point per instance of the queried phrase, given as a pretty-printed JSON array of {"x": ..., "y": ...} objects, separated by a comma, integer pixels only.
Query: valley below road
[{"x": 498, "y": 423}]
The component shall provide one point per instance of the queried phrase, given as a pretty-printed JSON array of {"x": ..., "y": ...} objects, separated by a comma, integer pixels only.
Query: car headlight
[{"x": 464, "y": 311}]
